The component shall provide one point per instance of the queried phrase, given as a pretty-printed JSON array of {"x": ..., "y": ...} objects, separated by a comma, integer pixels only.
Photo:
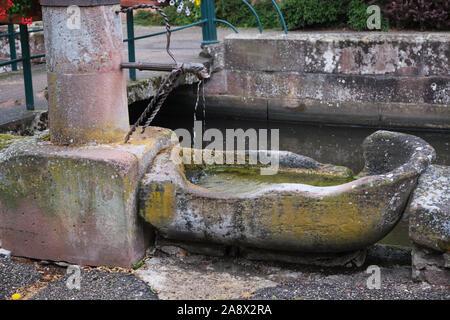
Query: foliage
[
  {"x": 137, "y": 265},
  {"x": 301, "y": 14},
  {"x": 415, "y": 14},
  {"x": 145, "y": 17},
  {"x": 21, "y": 6},
  {"x": 357, "y": 16}
]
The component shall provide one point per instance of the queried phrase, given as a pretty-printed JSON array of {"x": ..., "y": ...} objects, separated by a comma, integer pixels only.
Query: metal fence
[
  {"x": 208, "y": 22},
  {"x": 209, "y": 31},
  {"x": 25, "y": 58}
]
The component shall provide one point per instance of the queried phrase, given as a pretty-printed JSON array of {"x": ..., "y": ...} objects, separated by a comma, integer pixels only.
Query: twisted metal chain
[
  {"x": 169, "y": 83},
  {"x": 162, "y": 13},
  {"x": 160, "y": 96},
  {"x": 163, "y": 91},
  {"x": 167, "y": 88}
]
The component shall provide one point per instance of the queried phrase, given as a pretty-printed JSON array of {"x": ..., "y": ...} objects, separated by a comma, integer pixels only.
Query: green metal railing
[
  {"x": 209, "y": 32},
  {"x": 25, "y": 59},
  {"x": 208, "y": 23}
]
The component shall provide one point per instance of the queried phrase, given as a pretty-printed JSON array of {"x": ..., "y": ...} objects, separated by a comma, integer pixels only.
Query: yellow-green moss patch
[{"x": 7, "y": 139}]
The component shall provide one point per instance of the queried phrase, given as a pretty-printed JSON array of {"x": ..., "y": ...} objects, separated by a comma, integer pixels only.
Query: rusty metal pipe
[
  {"x": 149, "y": 66},
  {"x": 196, "y": 68}
]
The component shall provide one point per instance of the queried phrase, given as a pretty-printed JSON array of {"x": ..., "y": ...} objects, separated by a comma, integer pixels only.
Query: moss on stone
[
  {"x": 7, "y": 139},
  {"x": 241, "y": 179}
]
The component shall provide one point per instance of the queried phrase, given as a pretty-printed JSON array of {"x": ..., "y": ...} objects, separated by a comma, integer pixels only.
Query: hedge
[{"x": 312, "y": 14}]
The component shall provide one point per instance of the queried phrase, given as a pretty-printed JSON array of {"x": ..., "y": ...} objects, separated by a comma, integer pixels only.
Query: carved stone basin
[{"x": 287, "y": 215}]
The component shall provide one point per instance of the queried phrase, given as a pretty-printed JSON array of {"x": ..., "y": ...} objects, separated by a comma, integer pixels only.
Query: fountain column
[{"x": 86, "y": 87}]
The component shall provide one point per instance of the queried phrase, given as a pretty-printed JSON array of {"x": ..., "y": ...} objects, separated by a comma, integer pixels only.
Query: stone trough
[
  {"x": 289, "y": 217},
  {"x": 78, "y": 193}
]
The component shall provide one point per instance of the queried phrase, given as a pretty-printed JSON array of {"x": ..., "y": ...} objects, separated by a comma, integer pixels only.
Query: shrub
[
  {"x": 21, "y": 6},
  {"x": 302, "y": 13},
  {"x": 357, "y": 16},
  {"x": 417, "y": 14},
  {"x": 145, "y": 17},
  {"x": 233, "y": 11}
]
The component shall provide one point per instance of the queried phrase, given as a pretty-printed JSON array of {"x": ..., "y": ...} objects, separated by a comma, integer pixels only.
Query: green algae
[
  {"x": 7, "y": 139},
  {"x": 234, "y": 179}
]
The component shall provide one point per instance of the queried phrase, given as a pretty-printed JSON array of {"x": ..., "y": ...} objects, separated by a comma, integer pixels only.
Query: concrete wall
[{"x": 388, "y": 79}]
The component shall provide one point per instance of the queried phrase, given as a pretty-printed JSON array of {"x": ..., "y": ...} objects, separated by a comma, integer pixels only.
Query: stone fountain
[{"x": 79, "y": 194}]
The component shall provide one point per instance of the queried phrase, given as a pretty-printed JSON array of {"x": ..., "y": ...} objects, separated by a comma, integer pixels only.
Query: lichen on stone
[{"x": 7, "y": 139}]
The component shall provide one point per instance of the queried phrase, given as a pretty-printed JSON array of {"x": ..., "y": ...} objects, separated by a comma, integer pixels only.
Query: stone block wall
[{"x": 388, "y": 79}]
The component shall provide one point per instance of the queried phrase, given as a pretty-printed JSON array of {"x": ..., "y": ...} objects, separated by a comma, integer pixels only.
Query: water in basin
[{"x": 230, "y": 179}]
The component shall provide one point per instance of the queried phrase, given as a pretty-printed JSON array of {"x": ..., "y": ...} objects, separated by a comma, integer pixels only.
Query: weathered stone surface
[
  {"x": 418, "y": 115},
  {"x": 291, "y": 217},
  {"x": 316, "y": 110},
  {"x": 429, "y": 210},
  {"x": 231, "y": 106},
  {"x": 393, "y": 79},
  {"x": 430, "y": 266},
  {"x": 86, "y": 86},
  {"x": 337, "y": 52},
  {"x": 177, "y": 248},
  {"x": 332, "y": 98},
  {"x": 436, "y": 57},
  {"x": 143, "y": 89},
  {"x": 214, "y": 52},
  {"x": 76, "y": 204},
  {"x": 7, "y": 139},
  {"x": 348, "y": 259},
  {"x": 264, "y": 53},
  {"x": 293, "y": 160}
]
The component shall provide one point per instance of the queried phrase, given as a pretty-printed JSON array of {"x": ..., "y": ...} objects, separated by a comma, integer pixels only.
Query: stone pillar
[{"x": 86, "y": 87}]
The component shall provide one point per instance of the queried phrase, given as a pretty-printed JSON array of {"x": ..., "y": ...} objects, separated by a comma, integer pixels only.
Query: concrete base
[{"x": 76, "y": 205}]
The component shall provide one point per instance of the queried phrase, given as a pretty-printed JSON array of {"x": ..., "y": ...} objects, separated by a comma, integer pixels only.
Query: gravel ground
[
  {"x": 395, "y": 284},
  {"x": 176, "y": 274},
  {"x": 14, "y": 276},
  {"x": 97, "y": 285}
]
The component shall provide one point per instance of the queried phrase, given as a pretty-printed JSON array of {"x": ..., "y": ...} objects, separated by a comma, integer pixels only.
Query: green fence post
[
  {"x": 28, "y": 80},
  {"x": 131, "y": 43},
  {"x": 12, "y": 45},
  {"x": 209, "y": 27}
]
